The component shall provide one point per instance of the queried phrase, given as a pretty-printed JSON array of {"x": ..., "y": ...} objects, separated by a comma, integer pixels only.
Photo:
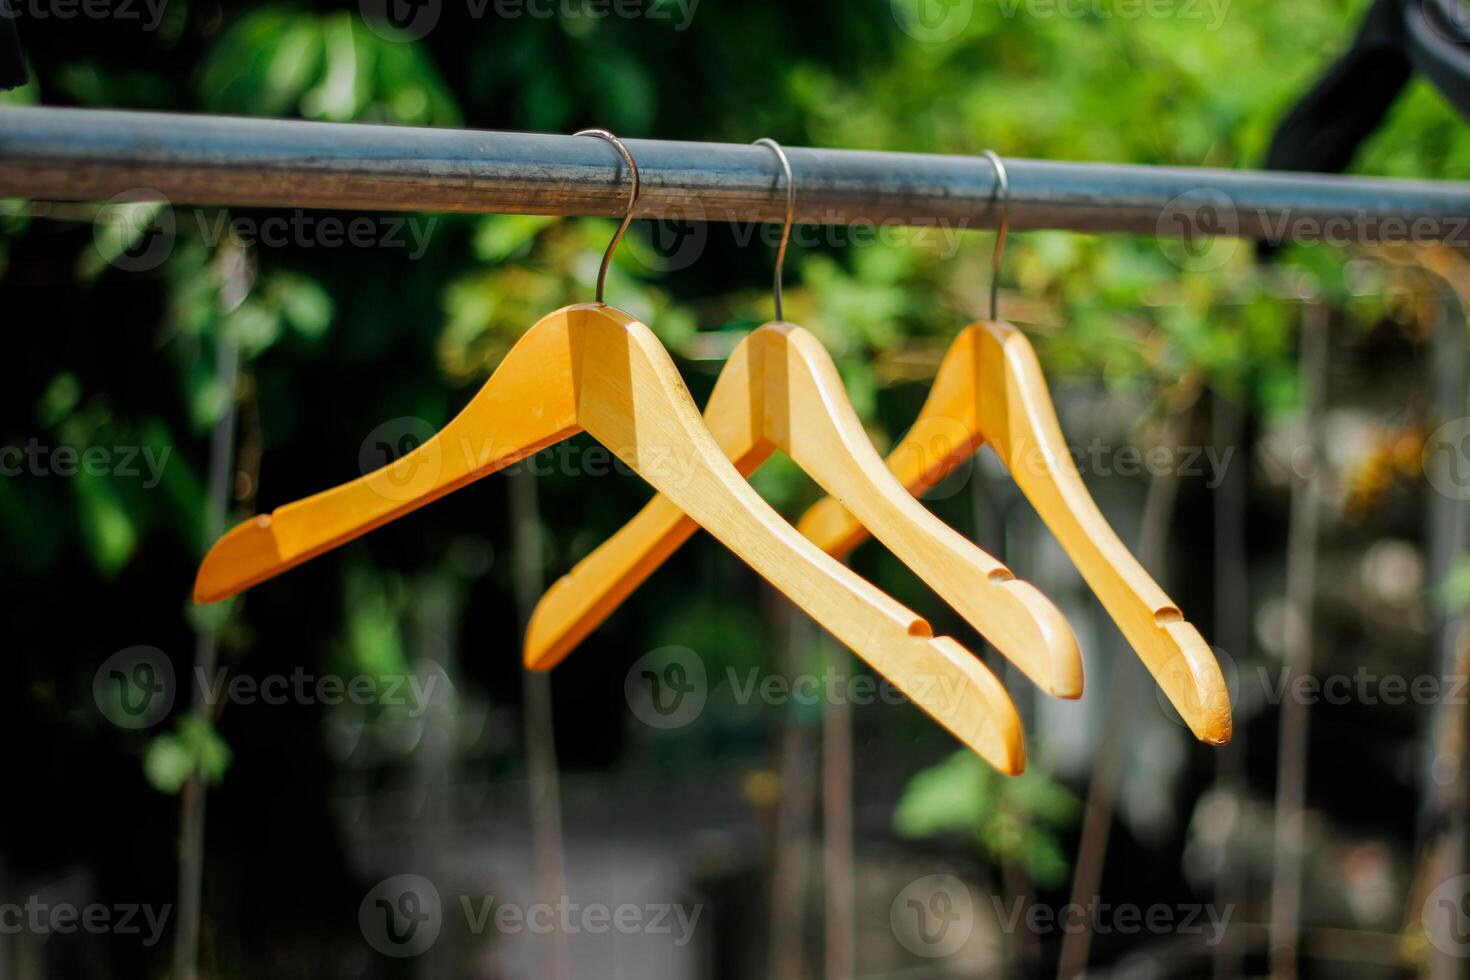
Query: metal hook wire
[
  {"x": 790, "y": 216},
  {"x": 632, "y": 202},
  {"x": 1003, "y": 188}
]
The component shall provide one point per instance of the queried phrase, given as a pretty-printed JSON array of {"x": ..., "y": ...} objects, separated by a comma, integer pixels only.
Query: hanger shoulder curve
[{"x": 990, "y": 389}]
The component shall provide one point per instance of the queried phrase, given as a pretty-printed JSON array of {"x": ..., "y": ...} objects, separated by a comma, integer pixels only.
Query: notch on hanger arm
[{"x": 990, "y": 389}]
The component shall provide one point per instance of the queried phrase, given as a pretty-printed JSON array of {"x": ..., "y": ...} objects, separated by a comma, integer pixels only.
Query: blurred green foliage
[
  {"x": 194, "y": 747},
  {"x": 1016, "y": 819},
  {"x": 1454, "y": 592}
]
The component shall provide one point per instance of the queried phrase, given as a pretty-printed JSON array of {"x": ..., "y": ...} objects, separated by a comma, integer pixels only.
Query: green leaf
[
  {"x": 167, "y": 764},
  {"x": 208, "y": 397},
  {"x": 305, "y": 306},
  {"x": 263, "y": 64},
  {"x": 173, "y": 757},
  {"x": 117, "y": 228},
  {"x": 952, "y": 796},
  {"x": 343, "y": 88},
  {"x": 255, "y": 325},
  {"x": 59, "y": 399},
  {"x": 1012, "y": 819},
  {"x": 374, "y": 637},
  {"x": 499, "y": 236},
  {"x": 107, "y": 528}
]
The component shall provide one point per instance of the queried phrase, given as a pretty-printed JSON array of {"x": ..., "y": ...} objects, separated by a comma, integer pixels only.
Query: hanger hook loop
[
  {"x": 612, "y": 247},
  {"x": 1003, "y": 190},
  {"x": 790, "y": 216}
]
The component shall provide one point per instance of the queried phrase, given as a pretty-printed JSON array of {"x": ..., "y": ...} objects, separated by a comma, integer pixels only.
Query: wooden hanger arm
[
  {"x": 918, "y": 463},
  {"x": 579, "y": 601},
  {"x": 990, "y": 388},
  {"x": 945, "y": 435},
  {"x": 528, "y": 404},
  {"x": 1029, "y": 439},
  {"x": 808, "y": 415},
  {"x": 1172, "y": 649}
]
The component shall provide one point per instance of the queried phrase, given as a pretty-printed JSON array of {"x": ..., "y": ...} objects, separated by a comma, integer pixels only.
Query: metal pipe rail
[{"x": 83, "y": 154}]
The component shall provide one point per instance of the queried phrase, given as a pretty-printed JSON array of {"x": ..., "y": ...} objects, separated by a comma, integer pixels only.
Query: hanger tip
[
  {"x": 561, "y": 620},
  {"x": 1013, "y": 762},
  {"x": 1044, "y": 646},
  {"x": 1004, "y": 748},
  {"x": 975, "y": 707},
  {"x": 247, "y": 554},
  {"x": 538, "y": 655},
  {"x": 1193, "y": 680}
]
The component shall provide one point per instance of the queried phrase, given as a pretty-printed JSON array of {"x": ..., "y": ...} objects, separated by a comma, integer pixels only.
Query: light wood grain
[
  {"x": 592, "y": 367},
  {"x": 990, "y": 389},
  {"x": 780, "y": 390}
]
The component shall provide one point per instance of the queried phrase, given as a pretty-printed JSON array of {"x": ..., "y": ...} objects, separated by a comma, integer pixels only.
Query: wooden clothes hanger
[
  {"x": 990, "y": 389},
  {"x": 594, "y": 368},
  {"x": 780, "y": 390}
]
